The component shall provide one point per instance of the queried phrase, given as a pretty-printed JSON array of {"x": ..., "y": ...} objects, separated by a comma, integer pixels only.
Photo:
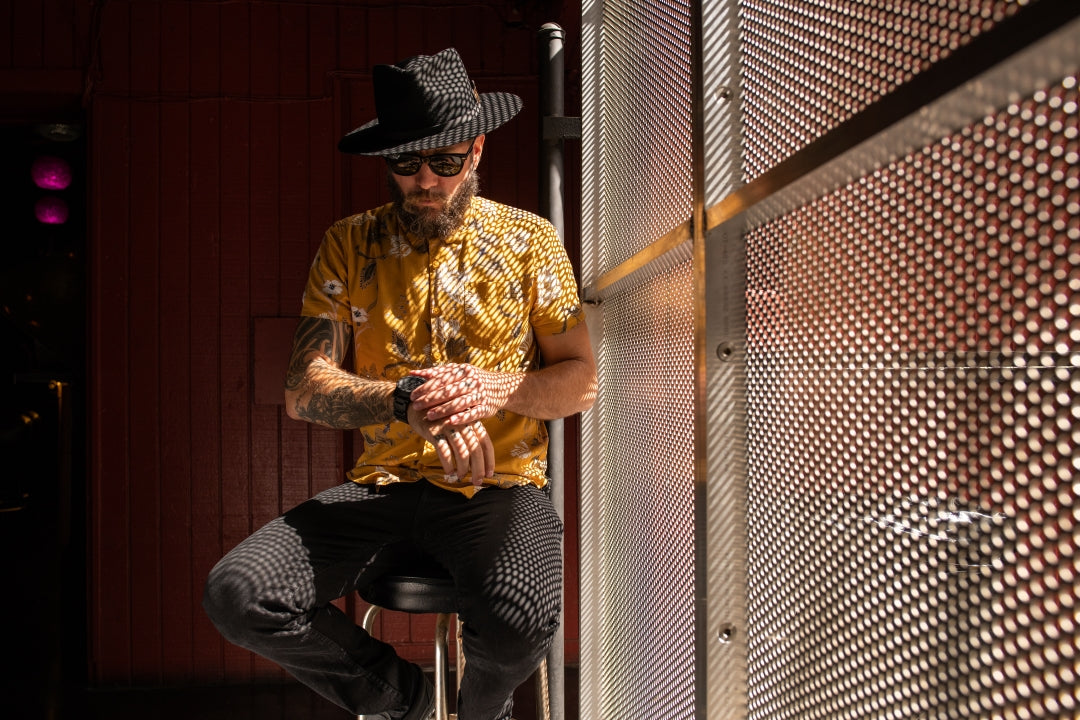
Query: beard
[{"x": 433, "y": 223}]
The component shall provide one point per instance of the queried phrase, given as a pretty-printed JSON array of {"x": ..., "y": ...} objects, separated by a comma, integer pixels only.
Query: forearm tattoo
[
  {"x": 324, "y": 393},
  {"x": 314, "y": 337}
]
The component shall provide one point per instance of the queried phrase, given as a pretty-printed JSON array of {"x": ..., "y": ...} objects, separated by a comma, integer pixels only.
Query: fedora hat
[{"x": 427, "y": 102}]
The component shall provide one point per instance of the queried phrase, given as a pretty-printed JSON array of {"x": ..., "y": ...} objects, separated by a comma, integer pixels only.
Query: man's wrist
[{"x": 403, "y": 396}]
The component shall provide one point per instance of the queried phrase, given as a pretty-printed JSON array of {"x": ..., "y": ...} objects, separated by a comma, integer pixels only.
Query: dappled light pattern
[
  {"x": 913, "y": 386},
  {"x": 526, "y": 579},
  {"x": 519, "y": 600},
  {"x": 273, "y": 593},
  {"x": 476, "y": 297}
]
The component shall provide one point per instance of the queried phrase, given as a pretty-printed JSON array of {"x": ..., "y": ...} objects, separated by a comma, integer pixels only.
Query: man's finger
[
  {"x": 446, "y": 457},
  {"x": 461, "y": 451},
  {"x": 477, "y": 460},
  {"x": 466, "y": 417},
  {"x": 487, "y": 449}
]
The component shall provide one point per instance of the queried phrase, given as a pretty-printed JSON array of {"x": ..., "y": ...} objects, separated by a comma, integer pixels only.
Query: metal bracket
[{"x": 560, "y": 127}]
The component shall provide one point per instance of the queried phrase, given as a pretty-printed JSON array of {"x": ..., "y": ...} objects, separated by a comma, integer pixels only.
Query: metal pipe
[{"x": 551, "y": 38}]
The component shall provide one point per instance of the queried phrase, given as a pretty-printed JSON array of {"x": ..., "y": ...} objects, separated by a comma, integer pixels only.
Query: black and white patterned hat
[{"x": 427, "y": 102}]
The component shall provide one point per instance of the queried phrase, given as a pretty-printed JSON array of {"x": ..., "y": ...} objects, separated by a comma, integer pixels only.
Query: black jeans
[{"x": 272, "y": 593}]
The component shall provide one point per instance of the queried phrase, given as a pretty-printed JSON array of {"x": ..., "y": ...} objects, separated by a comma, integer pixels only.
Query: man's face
[{"x": 432, "y": 206}]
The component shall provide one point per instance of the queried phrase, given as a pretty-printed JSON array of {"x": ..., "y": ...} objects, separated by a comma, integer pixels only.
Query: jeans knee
[
  {"x": 243, "y": 613},
  {"x": 225, "y": 601},
  {"x": 530, "y": 615},
  {"x": 508, "y": 639}
]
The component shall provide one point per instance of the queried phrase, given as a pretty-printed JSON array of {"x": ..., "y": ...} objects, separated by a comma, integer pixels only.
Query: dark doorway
[{"x": 42, "y": 418}]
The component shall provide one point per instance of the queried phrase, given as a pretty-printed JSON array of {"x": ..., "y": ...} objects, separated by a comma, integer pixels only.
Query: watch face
[{"x": 410, "y": 383}]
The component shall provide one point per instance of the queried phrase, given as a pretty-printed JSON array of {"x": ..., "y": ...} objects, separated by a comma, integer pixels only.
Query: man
[{"x": 467, "y": 333}]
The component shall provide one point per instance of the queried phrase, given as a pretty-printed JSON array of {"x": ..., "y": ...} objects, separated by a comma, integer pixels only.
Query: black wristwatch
[{"x": 404, "y": 389}]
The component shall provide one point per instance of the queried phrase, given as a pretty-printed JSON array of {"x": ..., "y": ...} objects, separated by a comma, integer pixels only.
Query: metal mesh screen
[
  {"x": 643, "y": 125},
  {"x": 638, "y": 516},
  {"x": 808, "y": 66},
  {"x": 908, "y": 377},
  {"x": 913, "y": 430}
]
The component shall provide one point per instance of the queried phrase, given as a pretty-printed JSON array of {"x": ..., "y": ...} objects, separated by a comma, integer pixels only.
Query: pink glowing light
[
  {"x": 51, "y": 173},
  {"x": 51, "y": 210}
]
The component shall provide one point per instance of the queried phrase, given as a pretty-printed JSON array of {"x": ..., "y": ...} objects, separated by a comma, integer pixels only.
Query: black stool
[{"x": 418, "y": 584}]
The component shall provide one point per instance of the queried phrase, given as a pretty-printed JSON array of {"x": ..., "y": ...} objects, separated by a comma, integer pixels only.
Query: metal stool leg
[
  {"x": 460, "y": 653},
  {"x": 442, "y": 631},
  {"x": 370, "y": 614},
  {"x": 543, "y": 697},
  {"x": 442, "y": 628}
]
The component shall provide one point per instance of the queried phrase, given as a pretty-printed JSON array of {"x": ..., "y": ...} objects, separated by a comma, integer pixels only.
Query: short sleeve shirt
[{"x": 480, "y": 297}]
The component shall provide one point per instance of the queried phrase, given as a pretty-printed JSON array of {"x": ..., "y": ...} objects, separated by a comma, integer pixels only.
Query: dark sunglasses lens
[
  {"x": 404, "y": 164},
  {"x": 445, "y": 165}
]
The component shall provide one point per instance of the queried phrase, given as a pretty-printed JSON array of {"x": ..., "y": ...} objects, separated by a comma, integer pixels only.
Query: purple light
[
  {"x": 51, "y": 173},
  {"x": 51, "y": 210}
]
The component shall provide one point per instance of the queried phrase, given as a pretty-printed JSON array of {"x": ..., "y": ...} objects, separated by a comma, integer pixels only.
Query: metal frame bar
[{"x": 701, "y": 425}]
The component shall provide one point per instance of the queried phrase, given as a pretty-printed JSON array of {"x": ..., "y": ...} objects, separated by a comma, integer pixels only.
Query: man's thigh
[
  {"x": 321, "y": 549},
  {"x": 503, "y": 545}
]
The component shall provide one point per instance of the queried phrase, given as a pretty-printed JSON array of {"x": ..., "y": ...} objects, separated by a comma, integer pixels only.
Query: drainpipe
[{"x": 554, "y": 129}]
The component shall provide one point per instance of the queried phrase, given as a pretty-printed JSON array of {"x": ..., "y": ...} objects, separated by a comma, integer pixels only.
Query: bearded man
[{"x": 467, "y": 334}]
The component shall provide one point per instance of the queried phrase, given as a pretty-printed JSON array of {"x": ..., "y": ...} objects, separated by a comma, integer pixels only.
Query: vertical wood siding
[
  {"x": 44, "y": 35},
  {"x": 213, "y": 177}
]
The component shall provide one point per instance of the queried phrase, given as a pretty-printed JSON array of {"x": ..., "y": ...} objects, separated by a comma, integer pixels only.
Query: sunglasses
[{"x": 442, "y": 164}]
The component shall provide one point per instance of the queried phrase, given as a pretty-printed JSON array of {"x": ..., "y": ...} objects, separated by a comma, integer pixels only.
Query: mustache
[
  {"x": 428, "y": 223},
  {"x": 424, "y": 195}
]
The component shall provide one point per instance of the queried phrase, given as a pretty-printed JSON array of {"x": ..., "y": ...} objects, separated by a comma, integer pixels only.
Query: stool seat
[{"x": 417, "y": 584}]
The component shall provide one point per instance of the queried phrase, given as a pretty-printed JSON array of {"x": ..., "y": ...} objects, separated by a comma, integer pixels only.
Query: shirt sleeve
[
  {"x": 326, "y": 294},
  {"x": 557, "y": 306}
]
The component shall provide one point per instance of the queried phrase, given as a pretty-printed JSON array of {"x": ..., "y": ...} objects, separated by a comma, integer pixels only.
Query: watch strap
[{"x": 402, "y": 396}]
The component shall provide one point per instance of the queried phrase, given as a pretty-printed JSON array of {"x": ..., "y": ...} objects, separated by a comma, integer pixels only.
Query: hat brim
[{"x": 372, "y": 139}]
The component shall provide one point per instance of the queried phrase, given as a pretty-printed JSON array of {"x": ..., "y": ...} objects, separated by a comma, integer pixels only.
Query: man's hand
[
  {"x": 457, "y": 397},
  {"x": 462, "y": 394},
  {"x": 461, "y": 449}
]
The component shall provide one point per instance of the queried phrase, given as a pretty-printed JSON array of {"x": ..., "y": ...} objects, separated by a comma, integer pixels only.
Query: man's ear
[{"x": 478, "y": 149}]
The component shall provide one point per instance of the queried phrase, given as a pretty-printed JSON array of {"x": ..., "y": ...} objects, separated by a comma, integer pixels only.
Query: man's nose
[{"x": 426, "y": 179}]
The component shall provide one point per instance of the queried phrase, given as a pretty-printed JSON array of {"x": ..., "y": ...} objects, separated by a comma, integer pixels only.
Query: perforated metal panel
[
  {"x": 638, "y": 535},
  {"x": 914, "y": 446},
  {"x": 642, "y": 124},
  {"x": 808, "y": 66},
  {"x": 891, "y": 382},
  {"x": 640, "y": 512}
]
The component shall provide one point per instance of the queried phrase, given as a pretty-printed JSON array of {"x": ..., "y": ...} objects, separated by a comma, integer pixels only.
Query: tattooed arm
[{"x": 319, "y": 391}]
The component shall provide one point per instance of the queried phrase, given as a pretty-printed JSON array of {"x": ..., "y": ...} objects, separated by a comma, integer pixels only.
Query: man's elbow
[
  {"x": 587, "y": 397},
  {"x": 587, "y": 401},
  {"x": 291, "y": 397}
]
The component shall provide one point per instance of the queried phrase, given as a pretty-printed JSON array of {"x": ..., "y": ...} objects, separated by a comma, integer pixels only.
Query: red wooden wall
[
  {"x": 44, "y": 48},
  {"x": 213, "y": 173}
]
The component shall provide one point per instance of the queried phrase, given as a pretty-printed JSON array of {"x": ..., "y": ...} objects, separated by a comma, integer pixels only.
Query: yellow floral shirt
[{"x": 477, "y": 297}]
